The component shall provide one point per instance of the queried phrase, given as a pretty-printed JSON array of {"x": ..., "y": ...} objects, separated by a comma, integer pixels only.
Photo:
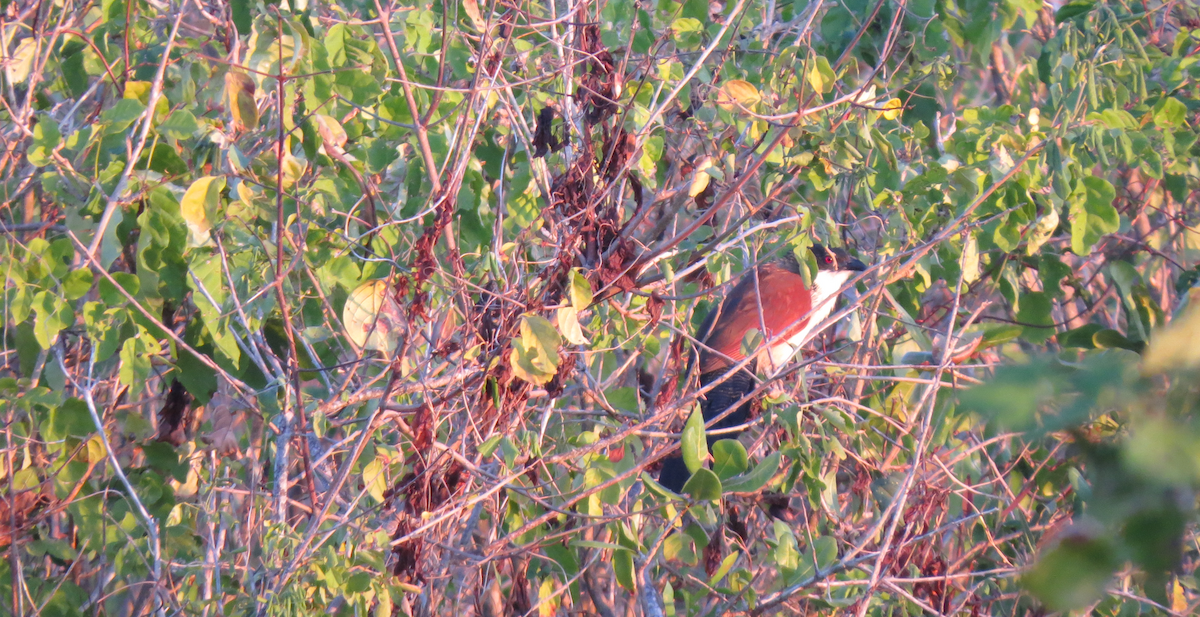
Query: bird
[{"x": 775, "y": 300}]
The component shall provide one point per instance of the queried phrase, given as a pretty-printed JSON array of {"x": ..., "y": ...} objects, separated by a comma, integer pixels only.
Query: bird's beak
[{"x": 855, "y": 265}]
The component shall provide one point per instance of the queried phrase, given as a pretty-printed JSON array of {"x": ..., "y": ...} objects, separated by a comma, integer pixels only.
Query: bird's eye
[{"x": 828, "y": 259}]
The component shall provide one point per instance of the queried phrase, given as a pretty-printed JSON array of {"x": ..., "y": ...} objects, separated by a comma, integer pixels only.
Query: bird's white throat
[{"x": 825, "y": 287}]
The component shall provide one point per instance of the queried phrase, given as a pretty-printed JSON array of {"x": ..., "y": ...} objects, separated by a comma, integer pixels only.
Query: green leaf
[
  {"x": 1074, "y": 574},
  {"x": 1092, "y": 214},
  {"x": 1170, "y": 113},
  {"x": 694, "y": 444},
  {"x": 59, "y": 549},
  {"x": 824, "y": 548},
  {"x": 729, "y": 458},
  {"x": 111, "y": 295},
  {"x": 656, "y": 488},
  {"x": 1106, "y": 338},
  {"x": 240, "y": 12},
  {"x": 163, "y": 457},
  {"x": 357, "y": 583},
  {"x": 71, "y": 419},
  {"x": 1073, "y": 9},
  {"x": 685, "y": 25},
  {"x": 998, "y": 335},
  {"x": 77, "y": 283},
  {"x": 623, "y": 569},
  {"x": 121, "y": 115},
  {"x": 756, "y": 478},
  {"x": 1035, "y": 315},
  {"x": 135, "y": 359},
  {"x": 181, "y": 124},
  {"x": 704, "y": 485},
  {"x": 786, "y": 554},
  {"x": 52, "y": 315},
  {"x": 46, "y": 138},
  {"x": 103, "y": 328},
  {"x": 1080, "y": 337}
]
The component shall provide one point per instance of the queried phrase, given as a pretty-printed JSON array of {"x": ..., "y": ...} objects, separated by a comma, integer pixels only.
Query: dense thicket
[{"x": 354, "y": 307}]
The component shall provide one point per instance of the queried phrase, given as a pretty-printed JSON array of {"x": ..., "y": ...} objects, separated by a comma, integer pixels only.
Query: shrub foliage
[{"x": 385, "y": 306}]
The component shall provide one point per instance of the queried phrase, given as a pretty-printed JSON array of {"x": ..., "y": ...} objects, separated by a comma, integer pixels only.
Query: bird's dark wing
[
  {"x": 713, "y": 404},
  {"x": 785, "y": 304}
]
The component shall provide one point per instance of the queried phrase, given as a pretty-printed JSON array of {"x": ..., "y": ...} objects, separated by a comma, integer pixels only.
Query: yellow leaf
[
  {"x": 820, "y": 75},
  {"x": 970, "y": 260},
  {"x": 534, "y": 356},
  {"x": 330, "y": 130},
  {"x": 95, "y": 449},
  {"x": 472, "y": 9},
  {"x": 292, "y": 170},
  {"x": 701, "y": 179},
  {"x": 138, "y": 91},
  {"x": 581, "y": 290},
  {"x": 199, "y": 207},
  {"x": 892, "y": 109},
  {"x": 568, "y": 324},
  {"x": 1179, "y": 602},
  {"x": 547, "y": 600},
  {"x": 373, "y": 318},
  {"x": 374, "y": 480},
  {"x": 20, "y": 63},
  {"x": 742, "y": 91}
]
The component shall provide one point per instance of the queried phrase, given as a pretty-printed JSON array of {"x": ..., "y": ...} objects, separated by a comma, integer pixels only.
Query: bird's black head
[{"x": 835, "y": 260}]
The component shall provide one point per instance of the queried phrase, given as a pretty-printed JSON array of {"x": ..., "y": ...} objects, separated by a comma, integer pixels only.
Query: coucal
[{"x": 774, "y": 300}]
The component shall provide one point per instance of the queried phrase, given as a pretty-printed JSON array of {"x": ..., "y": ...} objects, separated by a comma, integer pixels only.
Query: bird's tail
[{"x": 674, "y": 472}]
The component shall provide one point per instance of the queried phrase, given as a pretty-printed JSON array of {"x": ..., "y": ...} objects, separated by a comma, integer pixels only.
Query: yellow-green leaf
[
  {"x": 199, "y": 207},
  {"x": 742, "y": 91},
  {"x": 702, "y": 177},
  {"x": 693, "y": 441},
  {"x": 892, "y": 109},
  {"x": 240, "y": 90},
  {"x": 820, "y": 76},
  {"x": 581, "y": 290},
  {"x": 373, "y": 318},
  {"x": 330, "y": 130},
  {"x": 568, "y": 325},
  {"x": 534, "y": 356}
]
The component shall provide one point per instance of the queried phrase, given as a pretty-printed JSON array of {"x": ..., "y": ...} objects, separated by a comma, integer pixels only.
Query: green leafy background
[{"x": 556, "y": 194}]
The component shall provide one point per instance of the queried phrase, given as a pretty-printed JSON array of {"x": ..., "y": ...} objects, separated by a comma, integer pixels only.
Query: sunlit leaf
[
  {"x": 372, "y": 317},
  {"x": 568, "y": 325},
  {"x": 741, "y": 91},
  {"x": 820, "y": 75},
  {"x": 580, "y": 291},
  {"x": 239, "y": 90},
  {"x": 199, "y": 207},
  {"x": 694, "y": 444}
]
